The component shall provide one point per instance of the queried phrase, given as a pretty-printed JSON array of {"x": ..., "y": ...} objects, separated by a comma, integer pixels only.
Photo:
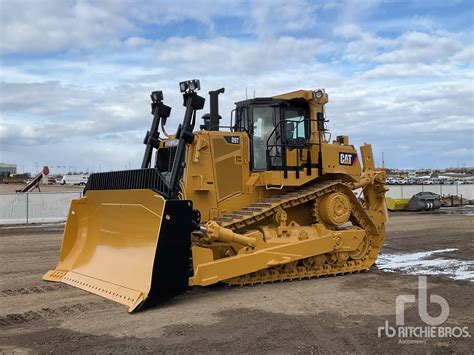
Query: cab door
[{"x": 264, "y": 121}]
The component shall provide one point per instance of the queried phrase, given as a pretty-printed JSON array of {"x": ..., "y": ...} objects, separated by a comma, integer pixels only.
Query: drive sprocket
[{"x": 333, "y": 209}]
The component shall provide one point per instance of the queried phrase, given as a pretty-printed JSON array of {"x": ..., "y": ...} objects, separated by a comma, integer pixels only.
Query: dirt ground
[{"x": 330, "y": 315}]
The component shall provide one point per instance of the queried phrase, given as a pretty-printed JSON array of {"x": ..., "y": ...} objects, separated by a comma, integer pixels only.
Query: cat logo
[{"x": 347, "y": 158}]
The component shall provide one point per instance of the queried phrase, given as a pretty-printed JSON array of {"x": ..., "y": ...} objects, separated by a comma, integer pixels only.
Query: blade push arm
[
  {"x": 192, "y": 102},
  {"x": 159, "y": 111}
]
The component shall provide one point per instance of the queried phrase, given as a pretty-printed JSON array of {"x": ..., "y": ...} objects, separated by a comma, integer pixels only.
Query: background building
[{"x": 7, "y": 169}]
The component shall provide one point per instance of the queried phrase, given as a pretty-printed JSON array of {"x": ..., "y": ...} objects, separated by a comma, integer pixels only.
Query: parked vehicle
[
  {"x": 390, "y": 181},
  {"x": 77, "y": 179},
  {"x": 394, "y": 181},
  {"x": 447, "y": 182}
]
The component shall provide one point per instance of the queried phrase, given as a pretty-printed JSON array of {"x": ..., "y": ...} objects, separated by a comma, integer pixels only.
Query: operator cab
[{"x": 275, "y": 126}]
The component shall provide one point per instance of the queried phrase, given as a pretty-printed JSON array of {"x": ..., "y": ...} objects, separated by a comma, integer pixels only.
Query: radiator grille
[{"x": 129, "y": 180}]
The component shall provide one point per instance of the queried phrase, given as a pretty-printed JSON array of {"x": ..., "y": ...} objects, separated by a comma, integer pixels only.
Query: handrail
[{"x": 282, "y": 142}]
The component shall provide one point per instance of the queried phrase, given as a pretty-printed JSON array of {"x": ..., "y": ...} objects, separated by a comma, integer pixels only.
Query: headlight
[{"x": 318, "y": 94}]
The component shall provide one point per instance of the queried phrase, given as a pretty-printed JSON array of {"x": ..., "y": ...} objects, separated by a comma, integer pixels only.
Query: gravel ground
[{"x": 333, "y": 314}]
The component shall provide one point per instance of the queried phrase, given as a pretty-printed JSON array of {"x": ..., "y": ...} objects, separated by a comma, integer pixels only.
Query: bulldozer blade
[{"x": 130, "y": 246}]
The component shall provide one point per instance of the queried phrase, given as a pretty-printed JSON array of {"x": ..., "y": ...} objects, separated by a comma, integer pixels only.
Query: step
[{"x": 243, "y": 213}]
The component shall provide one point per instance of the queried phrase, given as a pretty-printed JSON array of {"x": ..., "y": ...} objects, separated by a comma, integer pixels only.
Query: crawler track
[{"x": 316, "y": 266}]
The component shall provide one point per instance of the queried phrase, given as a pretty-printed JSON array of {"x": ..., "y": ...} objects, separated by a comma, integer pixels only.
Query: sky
[{"x": 75, "y": 75}]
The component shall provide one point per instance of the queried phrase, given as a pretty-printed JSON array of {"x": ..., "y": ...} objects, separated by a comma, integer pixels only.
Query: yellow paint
[{"x": 269, "y": 221}]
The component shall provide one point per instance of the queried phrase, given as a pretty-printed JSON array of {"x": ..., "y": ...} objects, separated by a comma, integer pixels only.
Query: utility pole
[{"x": 383, "y": 161}]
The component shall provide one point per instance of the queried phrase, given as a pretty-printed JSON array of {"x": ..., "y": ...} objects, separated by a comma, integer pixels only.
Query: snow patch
[{"x": 418, "y": 264}]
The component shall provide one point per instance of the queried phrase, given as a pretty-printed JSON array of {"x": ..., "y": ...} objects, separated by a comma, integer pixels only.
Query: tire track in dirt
[
  {"x": 32, "y": 290},
  {"x": 50, "y": 313}
]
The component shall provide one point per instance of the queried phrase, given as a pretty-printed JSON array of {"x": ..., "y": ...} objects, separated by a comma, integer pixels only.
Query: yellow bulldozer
[{"x": 268, "y": 198}]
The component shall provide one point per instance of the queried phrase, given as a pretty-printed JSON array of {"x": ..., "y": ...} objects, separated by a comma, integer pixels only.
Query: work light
[
  {"x": 191, "y": 85},
  {"x": 156, "y": 96}
]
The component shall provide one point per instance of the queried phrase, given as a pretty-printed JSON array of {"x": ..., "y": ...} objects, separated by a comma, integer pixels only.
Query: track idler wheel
[
  {"x": 333, "y": 209},
  {"x": 361, "y": 250}
]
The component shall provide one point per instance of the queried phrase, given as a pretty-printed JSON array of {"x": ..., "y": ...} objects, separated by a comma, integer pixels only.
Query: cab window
[
  {"x": 242, "y": 123},
  {"x": 263, "y": 119},
  {"x": 296, "y": 126}
]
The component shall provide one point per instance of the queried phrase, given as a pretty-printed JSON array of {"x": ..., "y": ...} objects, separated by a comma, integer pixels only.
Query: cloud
[
  {"x": 348, "y": 31},
  {"x": 30, "y": 27},
  {"x": 416, "y": 47},
  {"x": 361, "y": 45},
  {"x": 406, "y": 70},
  {"x": 57, "y": 26},
  {"x": 231, "y": 56},
  {"x": 44, "y": 98},
  {"x": 76, "y": 75},
  {"x": 48, "y": 112},
  {"x": 268, "y": 19}
]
